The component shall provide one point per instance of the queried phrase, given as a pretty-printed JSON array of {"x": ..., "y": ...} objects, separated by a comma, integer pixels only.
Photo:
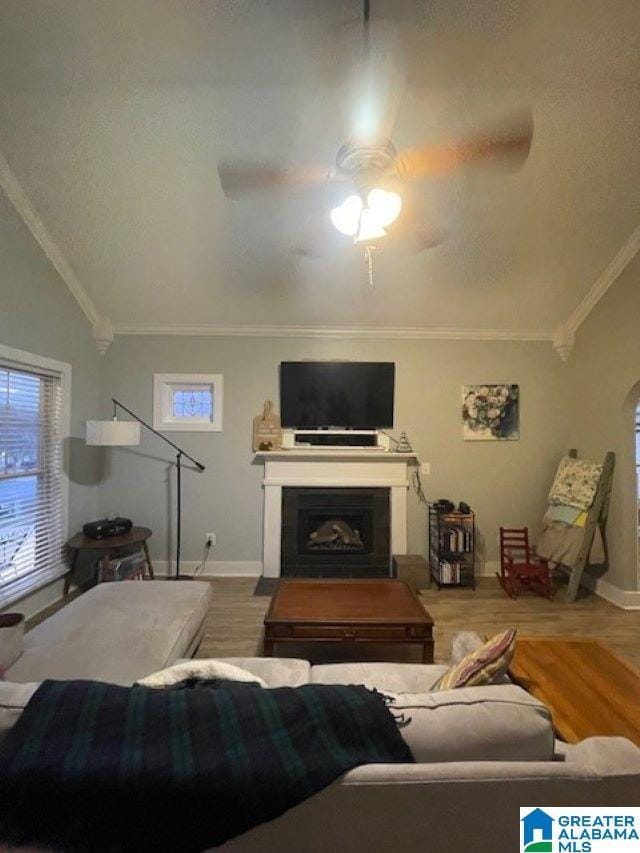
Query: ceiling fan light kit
[
  {"x": 367, "y": 221},
  {"x": 372, "y": 167}
]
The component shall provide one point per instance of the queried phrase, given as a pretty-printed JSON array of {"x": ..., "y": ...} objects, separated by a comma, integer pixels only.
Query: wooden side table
[{"x": 112, "y": 546}]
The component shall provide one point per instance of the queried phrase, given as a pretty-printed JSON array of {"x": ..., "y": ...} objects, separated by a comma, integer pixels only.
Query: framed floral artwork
[{"x": 490, "y": 412}]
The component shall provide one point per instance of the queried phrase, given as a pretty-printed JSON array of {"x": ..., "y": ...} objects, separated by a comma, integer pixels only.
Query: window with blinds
[{"x": 32, "y": 494}]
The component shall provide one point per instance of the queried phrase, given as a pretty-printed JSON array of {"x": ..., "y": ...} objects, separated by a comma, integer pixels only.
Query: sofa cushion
[
  {"x": 490, "y": 723},
  {"x": 481, "y": 666},
  {"x": 397, "y": 677},
  {"x": 115, "y": 632},
  {"x": 276, "y": 672},
  {"x": 13, "y": 700}
]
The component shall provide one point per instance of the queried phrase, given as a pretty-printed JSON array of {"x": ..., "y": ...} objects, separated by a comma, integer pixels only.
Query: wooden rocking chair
[{"x": 520, "y": 568}]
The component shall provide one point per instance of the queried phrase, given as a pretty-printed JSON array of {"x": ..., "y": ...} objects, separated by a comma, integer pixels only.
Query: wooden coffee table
[
  {"x": 588, "y": 688},
  {"x": 351, "y": 611}
]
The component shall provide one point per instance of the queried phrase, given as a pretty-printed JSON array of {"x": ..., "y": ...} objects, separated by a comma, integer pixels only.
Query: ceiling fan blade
[
  {"x": 412, "y": 239},
  {"x": 308, "y": 250},
  {"x": 423, "y": 238},
  {"x": 238, "y": 179},
  {"x": 506, "y": 144}
]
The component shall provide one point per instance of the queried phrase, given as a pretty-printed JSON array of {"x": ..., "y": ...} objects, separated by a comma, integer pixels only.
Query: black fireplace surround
[{"x": 335, "y": 533}]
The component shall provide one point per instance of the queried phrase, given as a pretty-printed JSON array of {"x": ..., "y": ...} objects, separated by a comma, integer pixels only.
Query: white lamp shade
[{"x": 115, "y": 432}]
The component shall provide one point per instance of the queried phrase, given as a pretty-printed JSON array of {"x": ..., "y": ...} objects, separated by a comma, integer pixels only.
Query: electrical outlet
[
  {"x": 211, "y": 539},
  {"x": 425, "y": 468}
]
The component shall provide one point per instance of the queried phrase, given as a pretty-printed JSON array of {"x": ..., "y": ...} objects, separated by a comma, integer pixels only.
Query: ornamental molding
[
  {"x": 26, "y": 211},
  {"x": 564, "y": 341},
  {"x": 607, "y": 277},
  {"x": 563, "y": 338},
  {"x": 103, "y": 334},
  {"x": 354, "y": 332},
  {"x": 102, "y": 328}
]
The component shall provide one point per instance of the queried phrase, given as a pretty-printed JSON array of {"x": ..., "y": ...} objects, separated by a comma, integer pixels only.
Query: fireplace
[{"x": 335, "y": 532}]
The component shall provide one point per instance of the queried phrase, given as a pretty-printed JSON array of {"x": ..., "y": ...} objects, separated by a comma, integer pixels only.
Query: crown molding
[
  {"x": 357, "y": 332},
  {"x": 102, "y": 330},
  {"x": 21, "y": 202},
  {"x": 604, "y": 281}
]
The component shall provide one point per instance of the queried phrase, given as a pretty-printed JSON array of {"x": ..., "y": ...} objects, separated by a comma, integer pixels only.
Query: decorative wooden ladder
[{"x": 596, "y": 517}]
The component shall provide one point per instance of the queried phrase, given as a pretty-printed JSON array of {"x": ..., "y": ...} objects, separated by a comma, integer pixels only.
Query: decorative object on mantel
[
  {"x": 491, "y": 412},
  {"x": 267, "y": 434},
  {"x": 117, "y": 433},
  {"x": 404, "y": 445}
]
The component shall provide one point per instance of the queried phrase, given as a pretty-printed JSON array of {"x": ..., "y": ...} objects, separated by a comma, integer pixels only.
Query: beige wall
[
  {"x": 603, "y": 379},
  {"x": 505, "y": 482},
  {"x": 38, "y": 314}
]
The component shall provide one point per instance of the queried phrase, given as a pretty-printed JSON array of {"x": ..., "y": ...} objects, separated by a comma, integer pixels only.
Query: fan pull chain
[{"x": 368, "y": 257}]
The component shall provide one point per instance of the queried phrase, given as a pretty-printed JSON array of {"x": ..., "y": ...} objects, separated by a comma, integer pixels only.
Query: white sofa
[
  {"x": 481, "y": 753},
  {"x": 447, "y": 803}
]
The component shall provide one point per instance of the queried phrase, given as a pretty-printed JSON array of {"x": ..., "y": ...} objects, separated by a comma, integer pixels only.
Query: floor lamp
[{"x": 117, "y": 433}]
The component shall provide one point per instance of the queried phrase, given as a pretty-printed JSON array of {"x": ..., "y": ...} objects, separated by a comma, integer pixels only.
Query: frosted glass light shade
[
  {"x": 367, "y": 223},
  {"x": 346, "y": 218},
  {"x": 113, "y": 433},
  {"x": 385, "y": 206}
]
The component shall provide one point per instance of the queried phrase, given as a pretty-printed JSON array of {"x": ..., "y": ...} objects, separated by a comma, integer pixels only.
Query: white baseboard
[
  {"x": 627, "y": 599},
  {"x": 213, "y": 569}
]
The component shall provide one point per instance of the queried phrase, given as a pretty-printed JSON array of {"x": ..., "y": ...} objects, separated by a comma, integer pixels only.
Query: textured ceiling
[{"x": 115, "y": 113}]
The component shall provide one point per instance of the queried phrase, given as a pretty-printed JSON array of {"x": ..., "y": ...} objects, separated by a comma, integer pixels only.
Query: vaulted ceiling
[{"x": 115, "y": 114}]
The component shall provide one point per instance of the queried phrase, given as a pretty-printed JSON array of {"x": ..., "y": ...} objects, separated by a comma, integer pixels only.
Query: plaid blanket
[{"x": 93, "y": 766}]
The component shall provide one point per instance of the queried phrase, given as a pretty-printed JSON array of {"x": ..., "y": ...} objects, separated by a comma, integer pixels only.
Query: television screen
[{"x": 354, "y": 394}]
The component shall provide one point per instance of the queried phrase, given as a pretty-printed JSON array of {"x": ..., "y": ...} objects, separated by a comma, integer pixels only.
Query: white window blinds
[{"x": 32, "y": 494}]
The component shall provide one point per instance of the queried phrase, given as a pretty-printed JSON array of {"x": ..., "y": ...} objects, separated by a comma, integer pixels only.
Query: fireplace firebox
[{"x": 335, "y": 532}]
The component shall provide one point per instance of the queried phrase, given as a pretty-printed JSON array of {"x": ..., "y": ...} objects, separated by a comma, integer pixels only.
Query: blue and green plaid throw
[{"x": 93, "y": 766}]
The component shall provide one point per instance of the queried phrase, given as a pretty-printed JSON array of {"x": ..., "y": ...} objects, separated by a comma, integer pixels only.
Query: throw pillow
[
  {"x": 490, "y": 661},
  {"x": 201, "y": 669},
  {"x": 575, "y": 483}
]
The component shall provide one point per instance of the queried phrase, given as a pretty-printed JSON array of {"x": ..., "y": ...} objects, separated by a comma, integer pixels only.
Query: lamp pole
[{"x": 180, "y": 453}]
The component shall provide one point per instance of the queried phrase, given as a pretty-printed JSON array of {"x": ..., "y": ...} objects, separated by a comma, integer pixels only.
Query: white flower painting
[{"x": 490, "y": 412}]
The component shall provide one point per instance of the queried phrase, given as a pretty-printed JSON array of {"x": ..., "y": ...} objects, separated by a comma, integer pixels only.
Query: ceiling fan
[{"x": 379, "y": 177}]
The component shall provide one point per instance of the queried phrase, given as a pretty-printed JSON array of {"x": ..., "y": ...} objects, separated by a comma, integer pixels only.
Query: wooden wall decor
[{"x": 267, "y": 434}]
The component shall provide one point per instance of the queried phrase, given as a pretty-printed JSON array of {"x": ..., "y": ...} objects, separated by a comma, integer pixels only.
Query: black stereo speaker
[{"x": 105, "y": 527}]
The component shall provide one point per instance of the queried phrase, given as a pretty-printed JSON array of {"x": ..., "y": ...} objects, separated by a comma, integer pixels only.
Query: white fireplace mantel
[{"x": 332, "y": 468}]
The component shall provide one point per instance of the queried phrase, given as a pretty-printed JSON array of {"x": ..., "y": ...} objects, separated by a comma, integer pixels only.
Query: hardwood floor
[{"x": 234, "y": 624}]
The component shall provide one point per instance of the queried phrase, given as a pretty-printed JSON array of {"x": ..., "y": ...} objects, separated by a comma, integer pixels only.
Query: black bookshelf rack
[{"x": 452, "y": 545}]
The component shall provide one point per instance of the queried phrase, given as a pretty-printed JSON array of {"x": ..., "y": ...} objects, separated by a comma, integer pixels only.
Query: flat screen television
[{"x": 322, "y": 394}]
